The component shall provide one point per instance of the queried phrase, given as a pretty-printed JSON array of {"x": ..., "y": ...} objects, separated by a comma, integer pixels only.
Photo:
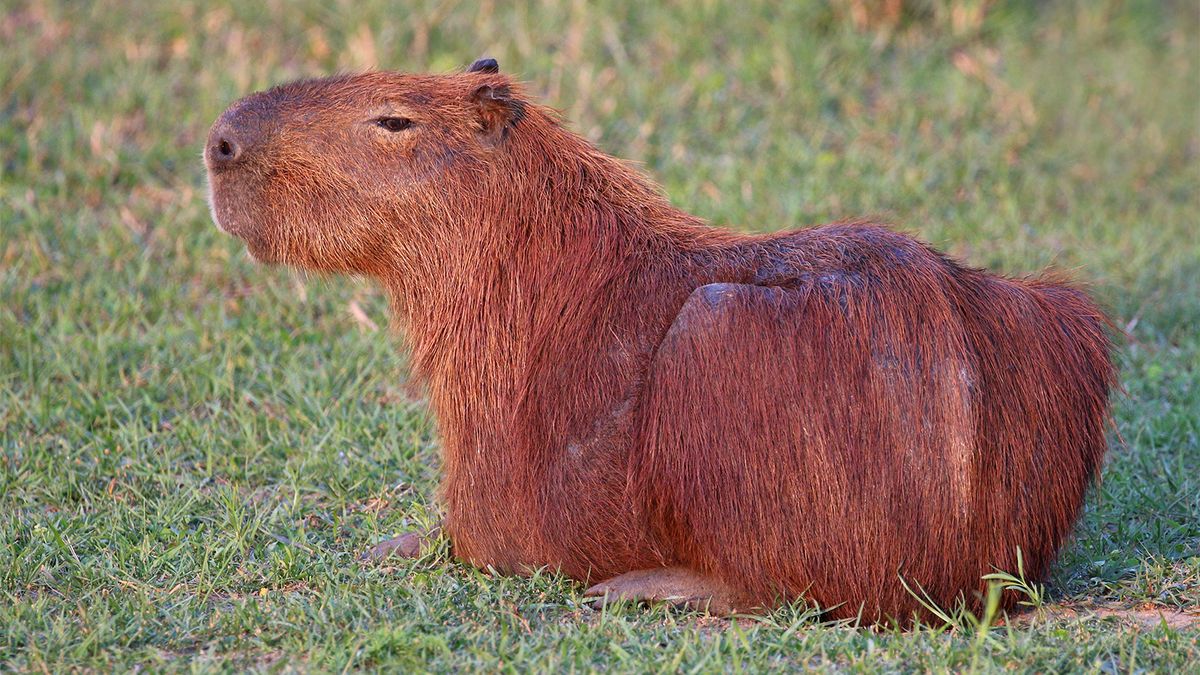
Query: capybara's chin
[{"x": 226, "y": 201}]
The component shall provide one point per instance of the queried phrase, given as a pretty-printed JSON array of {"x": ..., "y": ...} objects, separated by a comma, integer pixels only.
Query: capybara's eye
[{"x": 394, "y": 123}]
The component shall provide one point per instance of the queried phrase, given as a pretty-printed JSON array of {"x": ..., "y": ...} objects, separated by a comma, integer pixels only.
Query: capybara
[{"x": 664, "y": 409}]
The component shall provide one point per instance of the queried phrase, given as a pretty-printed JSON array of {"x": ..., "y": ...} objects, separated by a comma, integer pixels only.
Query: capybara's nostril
[
  {"x": 224, "y": 150},
  {"x": 240, "y": 133}
]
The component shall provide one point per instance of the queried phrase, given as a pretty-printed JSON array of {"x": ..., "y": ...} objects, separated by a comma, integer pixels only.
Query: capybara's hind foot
[
  {"x": 408, "y": 545},
  {"x": 677, "y": 586}
]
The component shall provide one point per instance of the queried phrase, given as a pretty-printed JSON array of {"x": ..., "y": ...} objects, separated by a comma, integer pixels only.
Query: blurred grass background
[{"x": 195, "y": 448}]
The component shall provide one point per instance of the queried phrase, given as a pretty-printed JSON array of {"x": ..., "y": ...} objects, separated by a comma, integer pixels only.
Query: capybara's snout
[
  {"x": 235, "y": 141},
  {"x": 236, "y": 154}
]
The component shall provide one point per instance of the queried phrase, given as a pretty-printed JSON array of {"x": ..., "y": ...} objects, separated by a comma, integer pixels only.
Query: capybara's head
[{"x": 334, "y": 174}]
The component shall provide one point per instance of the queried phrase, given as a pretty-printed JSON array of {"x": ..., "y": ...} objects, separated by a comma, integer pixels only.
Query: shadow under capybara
[{"x": 663, "y": 409}]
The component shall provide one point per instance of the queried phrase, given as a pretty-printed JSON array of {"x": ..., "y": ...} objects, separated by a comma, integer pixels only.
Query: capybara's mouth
[
  {"x": 214, "y": 211},
  {"x": 226, "y": 203},
  {"x": 221, "y": 203}
]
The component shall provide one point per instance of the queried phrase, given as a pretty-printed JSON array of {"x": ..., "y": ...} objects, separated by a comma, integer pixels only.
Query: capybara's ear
[
  {"x": 497, "y": 110},
  {"x": 484, "y": 65}
]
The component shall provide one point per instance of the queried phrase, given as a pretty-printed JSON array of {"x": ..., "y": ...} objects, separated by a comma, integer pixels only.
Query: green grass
[{"x": 195, "y": 449}]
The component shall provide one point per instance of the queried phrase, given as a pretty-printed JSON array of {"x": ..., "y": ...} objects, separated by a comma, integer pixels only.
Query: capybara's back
[{"x": 675, "y": 411}]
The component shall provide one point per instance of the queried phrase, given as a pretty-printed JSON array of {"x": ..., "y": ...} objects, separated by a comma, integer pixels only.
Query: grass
[{"x": 195, "y": 449}]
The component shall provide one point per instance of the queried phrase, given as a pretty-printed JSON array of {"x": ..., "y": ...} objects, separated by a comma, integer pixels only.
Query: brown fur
[{"x": 621, "y": 387}]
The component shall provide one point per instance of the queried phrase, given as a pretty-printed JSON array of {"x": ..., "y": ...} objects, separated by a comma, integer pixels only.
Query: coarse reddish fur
[{"x": 620, "y": 386}]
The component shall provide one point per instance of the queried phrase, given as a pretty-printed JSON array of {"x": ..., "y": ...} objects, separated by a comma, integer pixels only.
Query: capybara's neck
[{"x": 557, "y": 238}]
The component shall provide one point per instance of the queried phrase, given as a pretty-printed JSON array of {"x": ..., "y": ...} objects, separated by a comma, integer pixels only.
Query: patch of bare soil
[{"x": 1145, "y": 616}]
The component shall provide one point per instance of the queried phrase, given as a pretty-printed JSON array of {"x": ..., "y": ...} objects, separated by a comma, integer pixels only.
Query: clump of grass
[{"x": 1035, "y": 593}]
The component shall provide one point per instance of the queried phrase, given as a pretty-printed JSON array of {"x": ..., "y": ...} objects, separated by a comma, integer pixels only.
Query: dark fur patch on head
[{"x": 420, "y": 98}]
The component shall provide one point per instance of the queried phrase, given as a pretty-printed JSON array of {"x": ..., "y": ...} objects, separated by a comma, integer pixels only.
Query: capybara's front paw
[
  {"x": 677, "y": 586},
  {"x": 407, "y": 545}
]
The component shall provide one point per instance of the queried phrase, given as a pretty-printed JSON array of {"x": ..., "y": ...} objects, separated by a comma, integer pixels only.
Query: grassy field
[{"x": 194, "y": 449}]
